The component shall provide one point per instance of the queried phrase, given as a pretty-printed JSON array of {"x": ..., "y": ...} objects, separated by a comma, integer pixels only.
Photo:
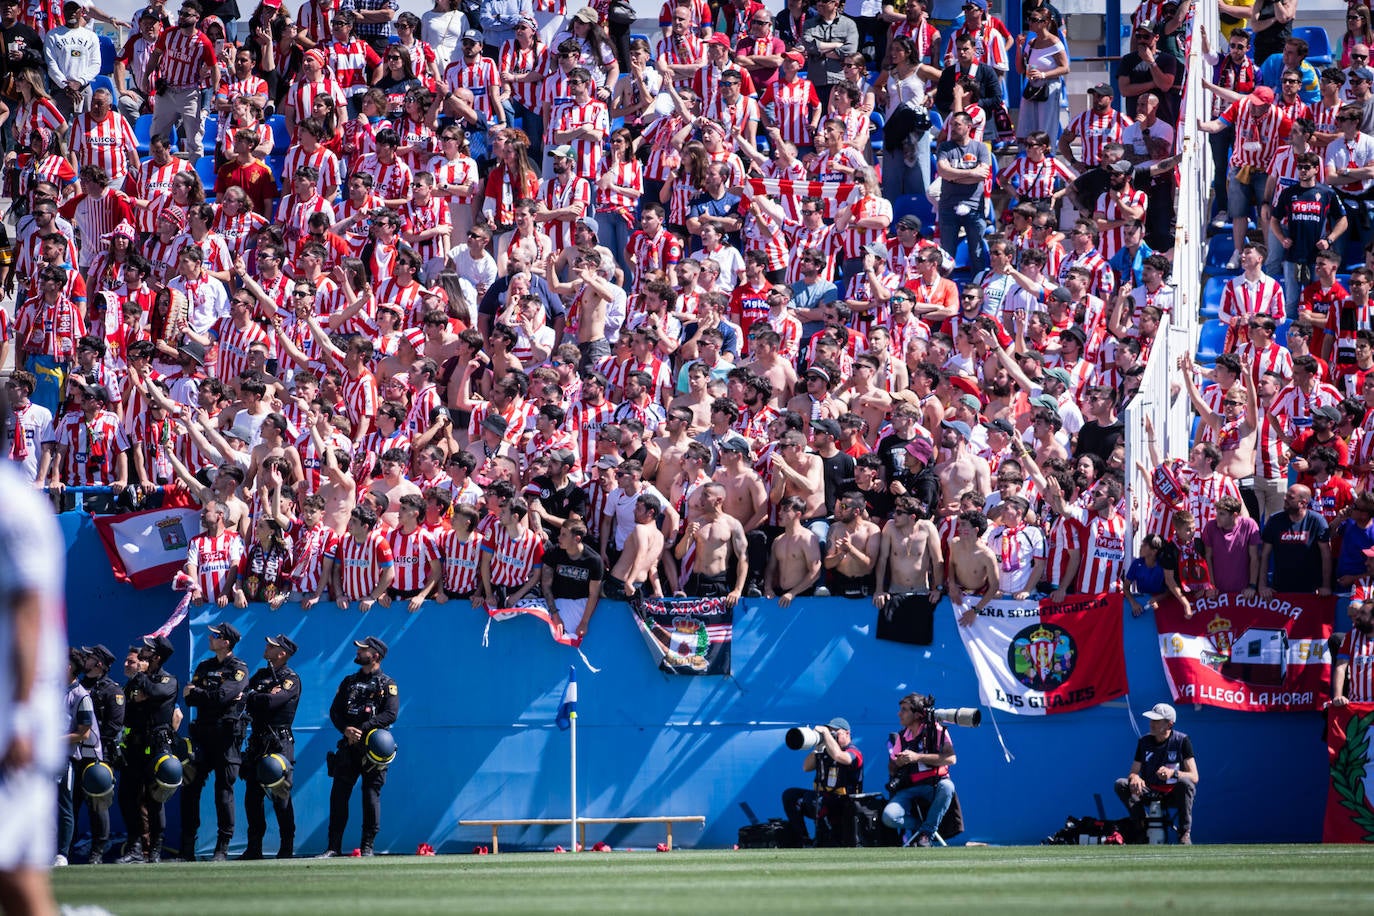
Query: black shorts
[
  {"x": 842, "y": 586},
  {"x": 699, "y": 585},
  {"x": 403, "y": 593},
  {"x": 456, "y": 596}
]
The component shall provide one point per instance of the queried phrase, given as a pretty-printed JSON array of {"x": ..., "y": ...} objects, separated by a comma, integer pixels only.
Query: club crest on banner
[
  {"x": 1042, "y": 657},
  {"x": 173, "y": 534}
]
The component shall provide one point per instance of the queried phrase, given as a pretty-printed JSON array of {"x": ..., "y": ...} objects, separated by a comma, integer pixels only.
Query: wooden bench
[{"x": 582, "y": 823}]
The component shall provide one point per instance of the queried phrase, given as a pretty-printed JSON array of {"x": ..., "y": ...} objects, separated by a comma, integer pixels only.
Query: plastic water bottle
[{"x": 1154, "y": 822}]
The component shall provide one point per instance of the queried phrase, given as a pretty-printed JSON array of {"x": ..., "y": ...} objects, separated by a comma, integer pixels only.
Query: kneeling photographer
[
  {"x": 839, "y": 769},
  {"x": 919, "y": 758}
]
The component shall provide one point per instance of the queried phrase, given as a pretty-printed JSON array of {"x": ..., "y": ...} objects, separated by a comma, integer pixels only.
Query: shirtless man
[
  {"x": 273, "y": 444},
  {"x": 746, "y": 500},
  {"x": 797, "y": 472},
  {"x": 854, "y": 549},
  {"x": 589, "y": 294},
  {"x": 864, "y": 395},
  {"x": 1235, "y": 425},
  {"x": 818, "y": 380},
  {"x": 337, "y": 486},
  {"x": 393, "y": 485},
  {"x": 767, "y": 361},
  {"x": 637, "y": 564},
  {"x": 794, "y": 562},
  {"x": 697, "y": 400},
  {"x": 717, "y": 536},
  {"x": 671, "y": 448},
  {"x": 973, "y": 568},
  {"x": 960, "y": 470},
  {"x": 910, "y": 562}
]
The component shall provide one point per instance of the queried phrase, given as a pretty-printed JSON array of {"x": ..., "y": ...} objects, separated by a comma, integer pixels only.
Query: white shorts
[
  {"x": 28, "y": 830},
  {"x": 570, "y": 611}
]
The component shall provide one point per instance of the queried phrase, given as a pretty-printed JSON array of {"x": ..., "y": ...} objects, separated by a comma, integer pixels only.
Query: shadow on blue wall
[{"x": 477, "y": 737}]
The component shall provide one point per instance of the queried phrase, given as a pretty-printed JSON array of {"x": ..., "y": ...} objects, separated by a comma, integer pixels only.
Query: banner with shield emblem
[
  {"x": 686, "y": 635},
  {"x": 1249, "y": 654},
  {"x": 1038, "y": 658}
]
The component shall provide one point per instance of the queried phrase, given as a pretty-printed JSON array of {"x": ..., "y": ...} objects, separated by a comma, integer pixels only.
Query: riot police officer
[
  {"x": 216, "y": 694},
  {"x": 272, "y": 696},
  {"x": 366, "y": 700},
  {"x": 108, "y": 699},
  {"x": 150, "y": 704}
]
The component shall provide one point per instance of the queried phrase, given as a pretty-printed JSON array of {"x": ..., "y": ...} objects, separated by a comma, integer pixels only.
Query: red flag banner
[
  {"x": 1038, "y": 658},
  {"x": 1249, "y": 654},
  {"x": 1349, "y": 742},
  {"x": 787, "y": 191}
]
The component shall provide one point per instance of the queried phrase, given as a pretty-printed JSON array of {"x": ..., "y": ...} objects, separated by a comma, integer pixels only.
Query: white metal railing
[{"x": 1162, "y": 396}]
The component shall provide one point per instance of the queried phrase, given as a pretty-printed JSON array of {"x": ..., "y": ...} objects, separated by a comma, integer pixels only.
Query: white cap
[{"x": 1162, "y": 711}]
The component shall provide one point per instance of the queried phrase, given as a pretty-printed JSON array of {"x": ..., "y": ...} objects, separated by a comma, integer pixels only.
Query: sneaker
[
  {"x": 1185, "y": 838},
  {"x": 1234, "y": 262},
  {"x": 923, "y": 840},
  {"x": 59, "y": 861},
  {"x": 328, "y": 854}
]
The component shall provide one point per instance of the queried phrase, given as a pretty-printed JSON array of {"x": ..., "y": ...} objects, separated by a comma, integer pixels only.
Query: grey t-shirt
[{"x": 962, "y": 156}]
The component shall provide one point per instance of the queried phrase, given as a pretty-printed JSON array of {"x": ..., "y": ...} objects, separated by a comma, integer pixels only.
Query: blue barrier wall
[{"x": 477, "y": 738}]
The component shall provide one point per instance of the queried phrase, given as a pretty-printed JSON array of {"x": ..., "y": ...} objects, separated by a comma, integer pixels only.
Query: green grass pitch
[{"x": 1142, "y": 879}]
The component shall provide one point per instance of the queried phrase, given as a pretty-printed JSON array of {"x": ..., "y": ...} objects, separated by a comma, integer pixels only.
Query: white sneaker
[
  {"x": 59, "y": 861},
  {"x": 1234, "y": 263}
]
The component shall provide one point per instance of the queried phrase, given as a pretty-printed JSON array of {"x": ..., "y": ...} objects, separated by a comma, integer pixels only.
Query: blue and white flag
[{"x": 567, "y": 710}]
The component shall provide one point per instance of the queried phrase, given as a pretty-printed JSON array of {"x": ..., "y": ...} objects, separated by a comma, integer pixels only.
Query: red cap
[
  {"x": 1262, "y": 95},
  {"x": 719, "y": 38},
  {"x": 967, "y": 386}
]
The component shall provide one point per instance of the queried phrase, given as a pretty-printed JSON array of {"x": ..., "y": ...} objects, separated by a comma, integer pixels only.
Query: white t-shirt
[{"x": 621, "y": 506}]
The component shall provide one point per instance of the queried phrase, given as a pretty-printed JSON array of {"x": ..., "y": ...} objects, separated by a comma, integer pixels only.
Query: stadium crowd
[{"x": 774, "y": 303}]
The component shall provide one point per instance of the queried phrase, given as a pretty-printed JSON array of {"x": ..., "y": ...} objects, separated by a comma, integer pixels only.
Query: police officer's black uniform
[
  {"x": 108, "y": 699},
  {"x": 150, "y": 700},
  {"x": 365, "y": 700},
  {"x": 272, "y": 697},
  {"x": 216, "y": 693}
]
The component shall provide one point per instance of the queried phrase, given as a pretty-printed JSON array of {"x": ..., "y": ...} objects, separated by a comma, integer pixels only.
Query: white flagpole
[{"x": 572, "y": 846}]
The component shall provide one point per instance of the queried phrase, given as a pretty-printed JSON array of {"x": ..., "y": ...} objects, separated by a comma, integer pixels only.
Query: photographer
[
  {"x": 839, "y": 769},
  {"x": 1164, "y": 768},
  {"x": 919, "y": 758}
]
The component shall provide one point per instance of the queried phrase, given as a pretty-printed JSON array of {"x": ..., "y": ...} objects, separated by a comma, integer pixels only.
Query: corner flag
[{"x": 567, "y": 710}]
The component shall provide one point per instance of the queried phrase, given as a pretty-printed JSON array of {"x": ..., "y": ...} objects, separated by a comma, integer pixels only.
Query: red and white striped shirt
[
  {"x": 1257, "y": 139},
  {"x": 823, "y": 239},
  {"x": 30, "y": 116},
  {"x": 626, "y": 174},
  {"x": 678, "y": 51},
  {"x": 411, "y": 553},
  {"x": 1357, "y": 650},
  {"x": 361, "y": 563},
  {"x": 1243, "y": 299},
  {"x": 584, "y": 421},
  {"x": 234, "y": 344},
  {"x": 235, "y": 230},
  {"x": 183, "y": 56},
  {"x": 352, "y": 64},
  {"x": 389, "y": 181},
  {"x": 409, "y": 298},
  {"x": 518, "y": 61},
  {"x": 1114, "y": 239},
  {"x": 301, "y": 96},
  {"x": 1272, "y": 358},
  {"x": 1102, "y": 280},
  {"x": 104, "y": 143},
  {"x": 461, "y": 561},
  {"x": 854, "y": 239},
  {"x": 1271, "y": 449},
  {"x": 481, "y": 78},
  {"x": 988, "y": 46},
  {"x": 570, "y": 194},
  {"x": 1104, "y": 551},
  {"x": 416, "y": 218},
  {"x": 650, "y": 254},
  {"x": 315, "y": 17},
  {"x": 1293, "y": 403},
  {"x": 593, "y": 115},
  {"x": 1036, "y": 180},
  {"x": 91, "y": 447},
  {"x": 312, "y": 545},
  {"x": 1061, "y": 537},
  {"x": 360, "y": 396},
  {"x": 152, "y": 182},
  {"x": 1096, "y": 131},
  {"x": 322, "y": 159},
  {"x": 212, "y": 558},
  {"x": 789, "y": 106},
  {"x": 515, "y": 559}
]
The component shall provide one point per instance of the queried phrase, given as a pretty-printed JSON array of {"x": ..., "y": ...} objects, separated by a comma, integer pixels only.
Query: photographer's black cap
[
  {"x": 373, "y": 643},
  {"x": 282, "y": 641}
]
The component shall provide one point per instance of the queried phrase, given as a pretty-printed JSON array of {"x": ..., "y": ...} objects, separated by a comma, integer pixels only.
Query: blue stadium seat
[
  {"x": 143, "y": 131},
  {"x": 281, "y": 140},
  {"x": 104, "y": 82},
  {"x": 1197, "y": 428},
  {"x": 205, "y": 170},
  {"x": 276, "y": 164},
  {"x": 1210, "y": 341},
  {"x": 875, "y": 133},
  {"x": 107, "y": 55},
  {"x": 1281, "y": 332},
  {"x": 1219, "y": 250},
  {"x": 919, "y": 206},
  {"x": 1318, "y": 44},
  {"x": 211, "y": 133},
  {"x": 961, "y": 255},
  {"x": 1353, "y": 253},
  {"x": 1211, "y": 297}
]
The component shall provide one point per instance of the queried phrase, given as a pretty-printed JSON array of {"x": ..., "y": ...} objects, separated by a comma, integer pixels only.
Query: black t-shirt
[
  {"x": 879, "y": 503},
  {"x": 1137, "y": 72},
  {"x": 572, "y": 576},
  {"x": 561, "y": 503},
  {"x": 1308, "y": 214},
  {"x": 1295, "y": 550},
  {"x": 1152, "y": 754},
  {"x": 892, "y": 450},
  {"x": 838, "y": 473},
  {"x": 1099, "y": 440}
]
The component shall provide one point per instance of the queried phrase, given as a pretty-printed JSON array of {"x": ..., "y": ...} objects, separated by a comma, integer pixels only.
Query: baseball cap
[
  {"x": 719, "y": 38},
  {"x": 99, "y": 392},
  {"x": 608, "y": 461},
  {"x": 563, "y": 456},
  {"x": 1059, "y": 375},
  {"x": 373, "y": 643},
  {"x": 1161, "y": 711},
  {"x": 796, "y": 57},
  {"x": 1099, "y": 89},
  {"x": 1122, "y": 167},
  {"x": 591, "y": 225},
  {"x": 909, "y": 221},
  {"x": 226, "y": 630},
  {"x": 472, "y": 35},
  {"x": 1075, "y": 332},
  {"x": 877, "y": 249},
  {"x": 829, "y": 427},
  {"x": 838, "y": 722},
  {"x": 1001, "y": 424},
  {"x": 735, "y": 444},
  {"x": 587, "y": 14},
  {"x": 1262, "y": 95},
  {"x": 1045, "y": 401},
  {"x": 980, "y": 4},
  {"x": 563, "y": 152},
  {"x": 959, "y": 426},
  {"x": 282, "y": 641},
  {"x": 1327, "y": 412},
  {"x": 1362, "y": 73}
]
